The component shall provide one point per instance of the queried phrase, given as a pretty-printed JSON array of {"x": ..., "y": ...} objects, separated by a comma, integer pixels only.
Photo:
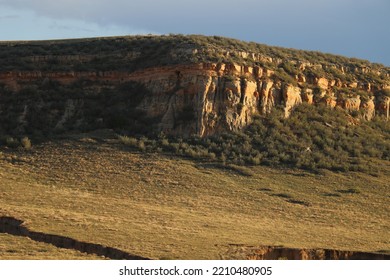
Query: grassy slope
[
  {"x": 16, "y": 247},
  {"x": 166, "y": 207}
]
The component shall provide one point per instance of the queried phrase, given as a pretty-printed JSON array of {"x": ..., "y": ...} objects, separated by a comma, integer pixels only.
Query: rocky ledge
[{"x": 175, "y": 83}]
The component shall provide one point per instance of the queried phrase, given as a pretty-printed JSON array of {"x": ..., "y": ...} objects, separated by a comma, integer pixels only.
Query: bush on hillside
[{"x": 313, "y": 138}]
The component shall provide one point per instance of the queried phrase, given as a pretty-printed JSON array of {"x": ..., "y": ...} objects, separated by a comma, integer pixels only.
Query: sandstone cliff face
[
  {"x": 214, "y": 97},
  {"x": 384, "y": 106},
  {"x": 368, "y": 109},
  {"x": 201, "y": 99},
  {"x": 352, "y": 104},
  {"x": 292, "y": 97},
  {"x": 270, "y": 95},
  {"x": 225, "y": 97}
]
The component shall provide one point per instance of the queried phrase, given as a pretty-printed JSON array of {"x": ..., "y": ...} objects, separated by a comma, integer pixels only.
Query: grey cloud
[
  {"x": 159, "y": 14},
  {"x": 171, "y": 15},
  {"x": 9, "y": 17},
  {"x": 57, "y": 26},
  {"x": 338, "y": 26}
]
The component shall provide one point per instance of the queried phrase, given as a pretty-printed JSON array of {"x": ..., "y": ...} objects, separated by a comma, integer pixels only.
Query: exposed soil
[{"x": 282, "y": 253}]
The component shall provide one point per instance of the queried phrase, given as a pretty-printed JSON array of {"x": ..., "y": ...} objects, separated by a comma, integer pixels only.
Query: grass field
[
  {"x": 163, "y": 207},
  {"x": 12, "y": 248}
]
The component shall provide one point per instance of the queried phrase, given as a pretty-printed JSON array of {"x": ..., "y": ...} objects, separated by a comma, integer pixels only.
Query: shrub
[
  {"x": 164, "y": 142},
  {"x": 141, "y": 145},
  {"x": 305, "y": 140},
  {"x": 26, "y": 143},
  {"x": 12, "y": 142},
  {"x": 281, "y": 75},
  {"x": 128, "y": 141},
  {"x": 289, "y": 68}
]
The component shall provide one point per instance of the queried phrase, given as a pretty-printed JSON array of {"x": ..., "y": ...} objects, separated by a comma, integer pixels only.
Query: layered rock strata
[{"x": 205, "y": 98}]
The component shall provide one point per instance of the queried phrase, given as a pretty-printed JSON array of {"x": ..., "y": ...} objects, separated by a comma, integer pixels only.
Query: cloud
[
  {"x": 7, "y": 17},
  {"x": 57, "y": 26},
  {"x": 28, "y": 26},
  {"x": 125, "y": 12},
  {"x": 196, "y": 16},
  {"x": 173, "y": 14},
  {"x": 350, "y": 27}
]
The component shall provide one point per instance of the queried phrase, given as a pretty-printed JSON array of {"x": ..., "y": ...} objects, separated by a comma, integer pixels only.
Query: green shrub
[
  {"x": 141, "y": 145},
  {"x": 26, "y": 143},
  {"x": 281, "y": 75},
  {"x": 289, "y": 68},
  {"x": 165, "y": 142},
  {"x": 313, "y": 138},
  {"x": 12, "y": 142}
]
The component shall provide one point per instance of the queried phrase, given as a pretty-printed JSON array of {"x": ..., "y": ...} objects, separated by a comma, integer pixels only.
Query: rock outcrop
[
  {"x": 201, "y": 98},
  {"x": 292, "y": 97},
  {"x": 368, "y": 109},
  {"x": 270, "y": 96},
  {"x": 352, "y": 104},
  {"x": 384, "y": 106}
]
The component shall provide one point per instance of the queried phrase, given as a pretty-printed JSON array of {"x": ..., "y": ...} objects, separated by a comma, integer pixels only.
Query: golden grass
[
  {"x": 16, "y": 247},
  {"x": 164, "y": 207}
]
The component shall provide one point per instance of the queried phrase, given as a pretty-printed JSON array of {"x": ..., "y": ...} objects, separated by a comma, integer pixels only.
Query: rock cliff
[{"x": 201, "y": 98}]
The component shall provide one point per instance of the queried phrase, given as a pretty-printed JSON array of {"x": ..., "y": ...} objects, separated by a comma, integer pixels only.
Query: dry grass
[
  {"x": 16, "y": 247},
  {"x": 168, "y": 208}
]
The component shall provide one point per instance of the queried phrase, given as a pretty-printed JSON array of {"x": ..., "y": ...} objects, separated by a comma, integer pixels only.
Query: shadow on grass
[
  {"x": 232, "y": 168},
  {"x": 15, "y": 227}
]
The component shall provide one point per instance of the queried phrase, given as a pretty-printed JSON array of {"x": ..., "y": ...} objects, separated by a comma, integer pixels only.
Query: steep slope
[{"x": 181, "y": 85}]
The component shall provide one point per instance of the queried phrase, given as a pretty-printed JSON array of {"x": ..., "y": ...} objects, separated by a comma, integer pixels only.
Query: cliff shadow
[{"x": 15, "y": 227}]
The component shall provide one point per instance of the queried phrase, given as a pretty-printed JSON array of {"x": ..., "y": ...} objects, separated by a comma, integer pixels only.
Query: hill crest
[{"x": 177, "y": 84}]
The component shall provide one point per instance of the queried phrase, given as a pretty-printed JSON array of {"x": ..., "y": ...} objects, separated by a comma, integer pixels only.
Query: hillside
[
  {"x": 181, "y": 86},
  {"x": 191, "y": 147},
  {"x": 92, "y": 189}
]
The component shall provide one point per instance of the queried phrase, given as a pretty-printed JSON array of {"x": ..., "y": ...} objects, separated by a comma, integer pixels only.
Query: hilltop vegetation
[{"x": 136, "y": 52}]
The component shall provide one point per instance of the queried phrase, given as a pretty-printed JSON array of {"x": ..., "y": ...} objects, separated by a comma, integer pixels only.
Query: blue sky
[{"x": 354, "y": 28}]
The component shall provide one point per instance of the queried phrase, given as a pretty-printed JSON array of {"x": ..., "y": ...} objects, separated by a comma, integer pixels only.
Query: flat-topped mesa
[{"x": 180, "y": 90}]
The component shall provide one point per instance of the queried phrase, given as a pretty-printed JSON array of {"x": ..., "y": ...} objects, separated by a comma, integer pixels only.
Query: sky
[{"x": 353, "y": 28}]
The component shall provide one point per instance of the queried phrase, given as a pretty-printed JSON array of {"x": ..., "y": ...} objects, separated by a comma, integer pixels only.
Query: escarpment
[{"x": 174, "y": 85}]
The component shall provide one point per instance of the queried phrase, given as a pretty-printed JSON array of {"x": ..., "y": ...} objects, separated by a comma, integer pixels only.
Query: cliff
[{"x": 182, "y": 87}]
